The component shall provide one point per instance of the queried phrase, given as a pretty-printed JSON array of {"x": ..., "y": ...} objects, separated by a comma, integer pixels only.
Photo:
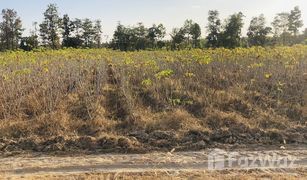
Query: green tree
[
  {"x": 178, "y": 38},
  {"x": 66, "y": 26},
  {"x": 137, "y": 37},
  {"x": 88, "y": 32},
  {"x": 155, "y": 35},
  {"x": 71, "y": 32},
  {"x": 120, "y": 38},
  {"x": 139, "y": 34},
  {"x": 231, "y": 35},
  {"x": 295, "y": 21},
  {"x": 77, "y": 23},
  {"x": 281, "y": 28},
  {"x": 29, "y": 43},
  {"x": 214, "y": 29},
  {"x": 193, "y": 32},
  {"x": 75, "y": 39},
  {"x": 11, "y": 30},
  {"x": 97, "y": 33},
  {"x": 186, "y": 30},
  {"x": 257, "y": 31},
  {"x": 49, "y": 28},
  {"x": 67, "y": 30}
]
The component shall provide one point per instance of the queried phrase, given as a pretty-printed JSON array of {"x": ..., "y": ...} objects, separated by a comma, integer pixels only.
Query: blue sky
[{"x": 171, "y": 13}]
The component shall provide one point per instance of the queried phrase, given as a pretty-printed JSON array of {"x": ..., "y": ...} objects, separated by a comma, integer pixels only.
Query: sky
[{"x": 172, "y": 13}]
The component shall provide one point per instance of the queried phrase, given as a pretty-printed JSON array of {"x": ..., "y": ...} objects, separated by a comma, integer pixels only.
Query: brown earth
[
  {"x": 227, "y": 175},
  {"x": 171, "y": 165}
]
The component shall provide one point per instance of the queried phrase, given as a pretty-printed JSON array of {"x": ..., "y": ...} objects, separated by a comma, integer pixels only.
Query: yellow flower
[
  {"x": 268, "y": 75},
  {"x": 46, "y": 69}
]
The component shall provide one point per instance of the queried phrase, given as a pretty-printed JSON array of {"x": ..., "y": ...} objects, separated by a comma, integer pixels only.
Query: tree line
[
  {"x": 57, "y": 32},
  {"x": 54, "y": 32}
]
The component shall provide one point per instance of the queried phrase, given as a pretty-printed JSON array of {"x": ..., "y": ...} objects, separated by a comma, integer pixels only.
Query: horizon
[{"x": 171, "y": 13}]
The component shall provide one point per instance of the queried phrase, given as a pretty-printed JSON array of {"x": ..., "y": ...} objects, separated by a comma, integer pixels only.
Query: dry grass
[{"x": 148, "y": 98}]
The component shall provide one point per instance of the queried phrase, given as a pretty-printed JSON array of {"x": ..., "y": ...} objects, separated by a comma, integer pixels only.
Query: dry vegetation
[{"x": 102, "y": 100}]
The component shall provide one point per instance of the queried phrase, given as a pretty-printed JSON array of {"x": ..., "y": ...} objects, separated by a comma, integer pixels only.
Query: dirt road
[{"x": 212, "y": 159}]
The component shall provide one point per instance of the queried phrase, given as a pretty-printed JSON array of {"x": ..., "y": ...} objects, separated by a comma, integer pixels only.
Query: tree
[
  {"x": 11, "y": 30},
  {"x": 97, "y": 33},
  {"x": 257, "y": 31},
  {"x": 66, "y": 26},
  {"x": 281, "y": 23},
  {"x": 71, "y": 32},
  {"x": 88, "y": 33},
  {"x": 295, "y": 21},
  {"x": 120, "y": 38},
  {"x": 155, "y": 35},
  {"x": 68, "y": 29},
  {"x": 139, "y": 34},
  {"x": 138, "y": 37},
  {"x": 193, "y": 32},
  {"x": 49, "y": 28},
  {"x": 29, "y": 43},
  {"x": 34, "y": 30},
  {"x": 305, "y": 33},
  {"x": 214, "y": 29},
  {"x": 186, "y": 30},
  {"x": 281, "y": 28},
  {"x": 75, "y": 36},
  {"x": 77, "y": 23},
  {"x": 178, "y": 37},
  {"x": 231, "y": 36}
]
